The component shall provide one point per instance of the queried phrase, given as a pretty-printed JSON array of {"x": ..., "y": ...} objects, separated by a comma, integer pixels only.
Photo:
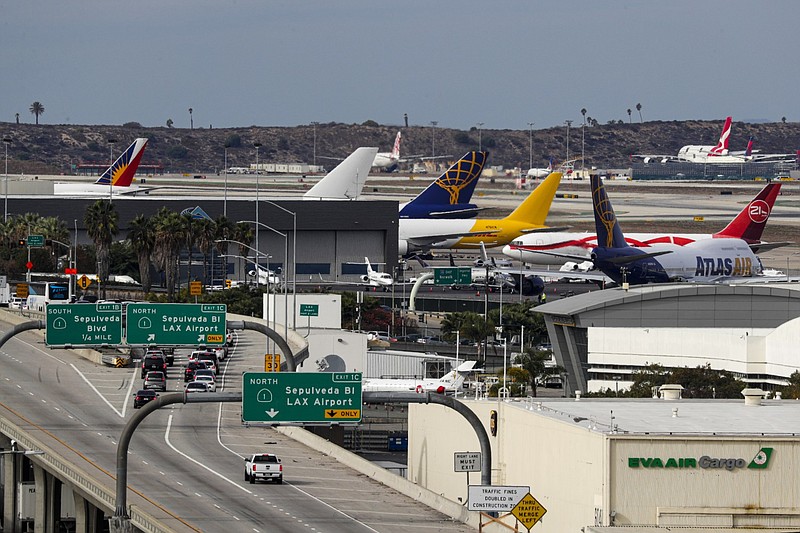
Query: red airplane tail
[
  {"x": 749, "y": 223},
  {"x": 722, "y": 145}
]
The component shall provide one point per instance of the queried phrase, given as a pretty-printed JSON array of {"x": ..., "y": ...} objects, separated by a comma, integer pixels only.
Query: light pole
[
  {"x": 225, "y": 201},
  {"x": 315, "y": 124},
  {"x": 568, "y": 123},
  {"x": 294, "y": 260},
  {"x": 285, "y": 260},
  {"x": 480, "y": 140},
  {"x": 583, "y": 143},
  {"x": 530, "y": 145},
  {"x": 70, "y": 278},
  {"x": 257, "y": 145},
  {"x": 111, "y": 168},
  {"x": 433, "y": 137},
  {"x": 6, "y": 141}
]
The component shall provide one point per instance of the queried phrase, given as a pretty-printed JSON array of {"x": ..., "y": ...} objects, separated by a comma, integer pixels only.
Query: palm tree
[
  {"x": 169, "y": 238},
  {"x": 17, "y": 116},
  {"x": 639, "y": 109},
  {"x": 37, "y": 109},
  {"x": 206, "y": 233},
  {"x": 142, "y": 239},
  {"x": 536, "y": 363},
  {"x": 190, "y": 237},
  {"x": 191, "y": 119},
  {"x": 629, "y": 115},
  {"x": 583, "y": 112},
  {"x": 101, "y": 221}
]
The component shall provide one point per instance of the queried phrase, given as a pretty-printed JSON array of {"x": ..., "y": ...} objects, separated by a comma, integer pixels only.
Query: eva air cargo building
[{"x": 650, "y": 465}]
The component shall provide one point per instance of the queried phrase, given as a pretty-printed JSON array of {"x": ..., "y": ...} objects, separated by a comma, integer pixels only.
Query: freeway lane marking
[{"x": 124, "y": 407}]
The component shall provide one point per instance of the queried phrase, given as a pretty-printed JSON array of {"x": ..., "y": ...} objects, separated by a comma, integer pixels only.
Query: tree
[
  {"x": 629, "y": 115},
  {"x": 783, "y": 119},
  {"x": 792, "y": 390},
  {"x": 191, "y": 119},
  {"x": 190, "y": 236},
  {"x": 101, "y": 221},
  {"x": 583, "y": 112},
  {"x": 17, "y": 117},
  {"x": 206, "y": 232},
  {"x": 639, "y": 109},
  {"x": 169, "y": 123},
  {"x": 243, "y": 233},
  {"x": 142, "y": 239},
  {"x": 37, "y": 109},
  {"x": 169, "y": 238},
  {"x": 535, "y": 362}
]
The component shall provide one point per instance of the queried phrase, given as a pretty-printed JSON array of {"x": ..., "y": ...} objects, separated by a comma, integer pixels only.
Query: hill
[{"x": 56, "y": 149}]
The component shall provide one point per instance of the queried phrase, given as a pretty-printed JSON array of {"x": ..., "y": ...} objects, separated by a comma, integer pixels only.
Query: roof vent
[
  {"x": 752, "y": 396},
  {"x": 670, "y": 391}
]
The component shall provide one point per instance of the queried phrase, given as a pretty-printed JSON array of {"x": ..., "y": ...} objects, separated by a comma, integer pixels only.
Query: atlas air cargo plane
[
  {"x": 417, "y": 234},
  {"x": 706, "y": 260},
  {"x": 116, "y": 180},
  {"x": 747, "y": 225}
]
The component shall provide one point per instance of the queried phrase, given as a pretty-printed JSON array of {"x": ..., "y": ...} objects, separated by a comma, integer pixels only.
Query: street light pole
[
  {"x": 433, "y": 137},
  {"x": 257, "y": 145},
  {"x": 6, "y": 141},
  {"x": 294, "y": 260},
  {"x": 568, "y": 123},
  {"x": 530, "y": 145},
  {"x": 315, "y": 124},
  {"x": 111, "y": 168},
  {"x": 480, "y": 140},
  {"x": 225, "y": 201}
]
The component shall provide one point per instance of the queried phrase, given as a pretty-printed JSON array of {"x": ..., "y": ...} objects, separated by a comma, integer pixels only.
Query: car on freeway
[
  {"x": 153, "y": 362},
  {"x": 210, "y": 382},
  {"x": 263, "y": 466},
  {"x": 191, "y": 368},
  {"x": 143, "y": 396},
  {"x": 156, "y": 380},
  {"x": 197, "y": 386},
  {"x": 204, "y": 372}
]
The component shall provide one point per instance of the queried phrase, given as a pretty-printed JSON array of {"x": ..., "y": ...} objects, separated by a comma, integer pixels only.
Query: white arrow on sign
[
  {"x": 151, "y": 337},
  {"x": 200, "y": 338},
  {"x": 272, "y": 413}
]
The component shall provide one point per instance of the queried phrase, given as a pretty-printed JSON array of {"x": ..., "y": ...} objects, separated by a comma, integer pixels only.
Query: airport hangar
[
  {"x": 333, "y": 237},
  {"x": 602, "y": 337}
]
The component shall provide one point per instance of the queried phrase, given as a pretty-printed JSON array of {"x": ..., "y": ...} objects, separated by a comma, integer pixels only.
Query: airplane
[
  {"x": 718, "y": 153},
  {"x": 347, "y": 180},
  {"x": 450, "y": 382},
  {"x": 116, "y": 180},
  {"x": 449, "y": 195},
  {"x": 389, "y": 161},
  {"x": 706, "y": 260},
  {"x": 265, "y": 277},
  {"x": 486, "y": 270},
  {"x": 536, "y": 173},
  {"x": 420, "y": 234},
  {"x": 376, "y": 279},
  {"x": 747, "y": 225}
]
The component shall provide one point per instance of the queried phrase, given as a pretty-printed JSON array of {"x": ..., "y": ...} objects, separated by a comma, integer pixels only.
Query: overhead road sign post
[
  {"x": 297, "y": 397},
  {"x": 452, "y": 276},
  {"x": 175, "y": 324},
  {"x": 84, "y": 324}
]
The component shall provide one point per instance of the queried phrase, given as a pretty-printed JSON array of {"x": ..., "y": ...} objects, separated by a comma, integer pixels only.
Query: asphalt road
[{"x": 185, "y": 462}]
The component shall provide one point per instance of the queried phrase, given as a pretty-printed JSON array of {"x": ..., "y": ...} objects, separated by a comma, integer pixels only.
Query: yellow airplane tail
[{"x": 536, "y": 206}]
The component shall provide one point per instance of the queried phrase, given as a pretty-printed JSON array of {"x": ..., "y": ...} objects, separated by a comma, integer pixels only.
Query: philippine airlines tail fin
[
  {"x": 396, "y": 147},
  {"x": 722, "y": 145},
  {"x": 534, "y": 208},
  {"x": 121, "y": 173},
  {"x": 450, "y": 194},
  {"x": 609, "y": 234},
  {"x": 749, "y": 223},
  {"x": 347, "y": 180}
]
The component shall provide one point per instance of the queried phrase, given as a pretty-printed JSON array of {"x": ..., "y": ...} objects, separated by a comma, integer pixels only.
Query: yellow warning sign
[
  {"x": 22, "y": 290},
  {"x": 84, "y": 282},
  {"x": 272, "y": 362},
  {"x": 214, "y": 339},
  {"x": 195, "y": 288},
  {"x": 343, "y": 413},
  {"x": 528, "y": 511}
]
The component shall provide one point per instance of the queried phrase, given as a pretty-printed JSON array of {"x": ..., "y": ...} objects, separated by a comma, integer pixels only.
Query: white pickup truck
[{"x": 263, "y": 466}]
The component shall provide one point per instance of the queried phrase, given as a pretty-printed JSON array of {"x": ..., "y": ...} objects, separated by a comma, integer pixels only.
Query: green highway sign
[
  {"x": 452, "y": 276},
  {"x": 83, "y": 324},
  {"x": 309, "y": 309},
  {"x": 301, "y": 397},
  {"x": 35, "y": 241},
  {"x": 175, "y": 324}
]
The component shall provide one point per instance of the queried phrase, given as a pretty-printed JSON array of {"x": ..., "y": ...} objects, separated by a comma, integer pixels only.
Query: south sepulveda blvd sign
[
  {"x": 83, "y": 324},
  {"x": 301, "y": 397}
]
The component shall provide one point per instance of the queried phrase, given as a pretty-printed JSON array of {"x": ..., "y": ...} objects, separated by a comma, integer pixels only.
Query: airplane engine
[
  {"x": 365, "y": 278},
  {"x": 532, "y": 285},
  {"x": 251, "y": 273},
  {"x": 402, "y": 247}
]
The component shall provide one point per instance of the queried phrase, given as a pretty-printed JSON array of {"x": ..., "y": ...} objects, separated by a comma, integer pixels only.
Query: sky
[{"x": 502, "y": 63}]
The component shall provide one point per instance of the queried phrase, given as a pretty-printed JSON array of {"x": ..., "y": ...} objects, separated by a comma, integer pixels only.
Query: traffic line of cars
[{"x": 199, "y": 374}]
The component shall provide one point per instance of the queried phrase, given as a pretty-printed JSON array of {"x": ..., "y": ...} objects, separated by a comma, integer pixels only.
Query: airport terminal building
[
  {"x": 603, "y": 464},
  {"x": 602, "y": 337}
]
